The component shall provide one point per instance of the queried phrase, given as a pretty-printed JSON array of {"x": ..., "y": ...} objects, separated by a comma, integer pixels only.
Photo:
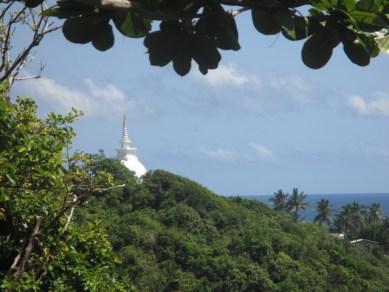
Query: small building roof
[{"x": 362, "y": 240}]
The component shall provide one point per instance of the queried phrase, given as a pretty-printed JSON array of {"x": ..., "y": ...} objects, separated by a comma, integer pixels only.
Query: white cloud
[
  {"x": 227, "y": 75},
  {"x": 220, "y": 154},
  {"x": 378, "y": 106},
  {"x": 262, "y": 151},
  {"x": 294, "y": 86},
  {"x": 239, "y": 89},
  {"x": 94, "y": 100}
]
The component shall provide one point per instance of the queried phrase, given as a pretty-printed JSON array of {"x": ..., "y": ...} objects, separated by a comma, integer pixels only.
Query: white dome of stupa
[
  {"x": 127, "y": 154},
  {"x": 132, "y": 163}
]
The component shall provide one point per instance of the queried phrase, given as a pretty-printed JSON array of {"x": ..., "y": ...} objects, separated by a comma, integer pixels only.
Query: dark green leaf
[
  {"x": 357, "y": 53},
  {"x": 33, "y": 3},
  {"x": 227, "y": 35},
  {"x": 171, "y": 26},
  {"x": 220, "y": 26},
  {"x": 369, "y": 18},
  {"x": 205, "y": 54},
  {"x": 296, "y": 28},
  {"x": 78, "y": 30},
  {"x": 265, "y": 22},
  {"x": 162, "y": 47},
  {"x": 130, "y": 24},
  {"x": 104, "y": 40},
  {"x": 317, "y": 50},
  {"x": 182, "y": 62},
  {"x": 369, "y": 5},
  {"x": 370, "y": 44},
  {"x": 52, "y": 12},
  {"x": 349, "y": 5}
]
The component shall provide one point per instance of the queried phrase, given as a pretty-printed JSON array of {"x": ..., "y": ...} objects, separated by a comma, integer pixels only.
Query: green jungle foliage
[
  {"x": 354, "y": 220},
  {"x": 359, "y": 221},
  {"x": 172, "y": 234},
  {"x": 39, "y": 249}
]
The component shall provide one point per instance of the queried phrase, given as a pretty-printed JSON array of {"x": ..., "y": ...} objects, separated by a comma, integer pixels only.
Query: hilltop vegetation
[{"x": 173, "y": 234}]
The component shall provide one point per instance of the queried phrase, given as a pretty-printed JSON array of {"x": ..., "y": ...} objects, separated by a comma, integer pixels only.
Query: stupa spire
[
  {"x": 125, "y": 141},
  {"x": 126, "y": 154}
]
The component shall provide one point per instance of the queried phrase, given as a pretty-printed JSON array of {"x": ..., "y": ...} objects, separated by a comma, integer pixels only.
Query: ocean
[{"x": 336, "y": 201}]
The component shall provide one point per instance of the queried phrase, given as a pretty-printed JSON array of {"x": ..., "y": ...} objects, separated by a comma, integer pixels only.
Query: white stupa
[{"x": 127, "y": 154}]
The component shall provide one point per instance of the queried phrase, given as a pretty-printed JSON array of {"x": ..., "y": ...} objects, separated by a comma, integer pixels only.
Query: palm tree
[
  {"x": 359, "y": 215},
  {"x": 296, "y": 203},
  {"x": 375, "y": 213},
  {"x": 351, "y": 219},
  {"x": 279, "y": 200},
  {"x": 324, "y": 212}
]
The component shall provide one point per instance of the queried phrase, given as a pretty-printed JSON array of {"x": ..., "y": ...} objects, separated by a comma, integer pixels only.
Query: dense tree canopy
[
  {"x": 172, "y": 234},
  {"x": 197, "y": 29},
  {"x": 40, "y": 186}
]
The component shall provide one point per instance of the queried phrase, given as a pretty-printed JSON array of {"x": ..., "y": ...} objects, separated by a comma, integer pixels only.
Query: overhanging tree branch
[
  {"x": 11, "y": 21},
  {"x": 23, "y": 256}
]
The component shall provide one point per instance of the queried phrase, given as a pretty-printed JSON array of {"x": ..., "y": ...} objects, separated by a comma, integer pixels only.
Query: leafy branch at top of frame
[{"x": 200, "y": 30}]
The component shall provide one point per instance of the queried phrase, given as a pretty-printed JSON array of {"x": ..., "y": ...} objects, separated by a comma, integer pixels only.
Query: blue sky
[{"x": 260, "y": 122}]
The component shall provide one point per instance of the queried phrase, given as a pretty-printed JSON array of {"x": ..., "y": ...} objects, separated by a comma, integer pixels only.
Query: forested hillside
[
  {"x": 78, "y": 222},
  {"x": 171, "y": 233}
]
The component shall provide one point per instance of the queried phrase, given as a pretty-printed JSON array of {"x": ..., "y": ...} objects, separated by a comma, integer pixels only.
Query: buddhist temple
[{"x": 127, "y": 154}]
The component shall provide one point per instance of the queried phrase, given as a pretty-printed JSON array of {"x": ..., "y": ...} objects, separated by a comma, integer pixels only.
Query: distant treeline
[{"x": 354, "y": 219}]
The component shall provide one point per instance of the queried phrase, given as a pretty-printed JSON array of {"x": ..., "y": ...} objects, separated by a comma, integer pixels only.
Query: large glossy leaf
[
  {"x": 104, "y": 40},
  {"x": 369, "y": 5},
  {"x": 371, "y": 18},
  {"x": 348, "y": 4},
  {"x": 317, "y": 50},
  {"x": 57, "y": 12},
  {"x": 131, "y": 24},
  {"x": 357, "y": 52},
  {"x": 294, "y": 27},
  {"x": 220, "y": 26},
  {"x": 265, "y": 22},
  {"x": 33, "y": 3},
  {"x": 171, "y": 26},
  {"x": 227, "y": 32},
  {"x": 370, "y": 44},
  {"x": 162, "y": 47},
  {"x": 182, "y": 62},
  {"x": 205, "y": 54},
  {"x": 79, "y": 30}
]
